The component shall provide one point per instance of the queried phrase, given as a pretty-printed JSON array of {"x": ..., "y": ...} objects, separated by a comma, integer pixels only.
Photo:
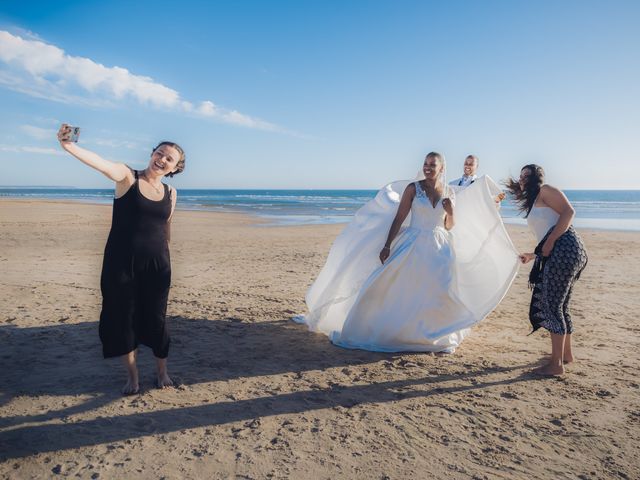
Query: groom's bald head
[{"x": 471, "y": 165}]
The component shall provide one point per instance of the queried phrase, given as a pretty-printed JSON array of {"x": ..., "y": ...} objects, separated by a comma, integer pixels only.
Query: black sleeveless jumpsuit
[{"x": 136, "y": 275}]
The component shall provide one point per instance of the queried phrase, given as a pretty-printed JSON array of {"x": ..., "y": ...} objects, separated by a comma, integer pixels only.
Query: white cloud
[
  {"x": 207, "y": 108},
  {"x": 41, "y": 70},
  {"x": 42, "y": 150},
  {"x": 49, "y": 135},
  {"x": 39, "y": 133},
  {"x": 25, "y": 33},
  {"x": 30, "y": 149},
  {"x": 42, "y": 62},
  {"x": 47, "y": 121},
  {"x": 115, "y": 143},
  {"x": 39, "y": 88}
]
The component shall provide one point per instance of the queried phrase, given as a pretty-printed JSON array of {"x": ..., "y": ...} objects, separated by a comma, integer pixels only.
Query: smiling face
[
  {"x": 432, "y": 167},
  {"x": 470, "y": 165},
  {"x": 164, "y": 160}
]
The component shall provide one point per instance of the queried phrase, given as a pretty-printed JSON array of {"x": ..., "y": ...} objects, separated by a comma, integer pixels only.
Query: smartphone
[{"x": 74, "y": 133}]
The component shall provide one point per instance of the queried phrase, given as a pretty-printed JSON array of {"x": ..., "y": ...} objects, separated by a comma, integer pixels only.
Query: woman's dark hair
[
  {"x": 180, "y": 164},
  {"x": 525, "y": 198}
]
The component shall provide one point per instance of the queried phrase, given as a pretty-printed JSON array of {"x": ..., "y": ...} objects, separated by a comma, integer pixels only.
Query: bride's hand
[
  {"x": 384, "y": 254},
  {"x": 447, "y": 205}
]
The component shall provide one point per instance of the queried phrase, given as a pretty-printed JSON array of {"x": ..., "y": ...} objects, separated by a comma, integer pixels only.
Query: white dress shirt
[{"x": 463, "y": 181}]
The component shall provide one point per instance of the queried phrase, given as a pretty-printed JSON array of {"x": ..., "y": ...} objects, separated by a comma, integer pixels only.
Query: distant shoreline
[
  {"x": 596, "y": 224},
  {"x": 59, "y": 187}
]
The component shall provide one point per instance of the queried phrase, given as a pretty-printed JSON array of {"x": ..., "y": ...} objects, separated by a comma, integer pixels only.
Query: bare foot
[
  {"x": 549, "y": 370},
  {"x": 131, "y": 387},
  {"x": 567, "y": 359},
  {"x": 163, "y": 380},
  {"x": 129, "y": 361}
]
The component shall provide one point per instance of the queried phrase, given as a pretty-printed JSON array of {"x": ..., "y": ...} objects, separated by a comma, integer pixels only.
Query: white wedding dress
[{"x": 434, "y": 285}]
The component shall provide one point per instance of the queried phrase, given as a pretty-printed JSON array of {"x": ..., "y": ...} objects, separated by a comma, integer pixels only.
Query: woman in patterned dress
[{"x": 559, "y": 258}]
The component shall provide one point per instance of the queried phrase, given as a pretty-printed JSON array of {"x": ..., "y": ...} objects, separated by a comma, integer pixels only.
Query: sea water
[{"x": 601, "y": 209}]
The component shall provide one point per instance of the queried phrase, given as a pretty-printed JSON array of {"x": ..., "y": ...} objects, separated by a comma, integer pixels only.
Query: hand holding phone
[{"x": 67, "y": 133}]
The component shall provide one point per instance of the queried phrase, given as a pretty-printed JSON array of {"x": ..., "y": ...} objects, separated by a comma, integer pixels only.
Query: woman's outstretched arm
[
  {"x": 403, "y": 210},
  {"x": 118, "y": 172}
]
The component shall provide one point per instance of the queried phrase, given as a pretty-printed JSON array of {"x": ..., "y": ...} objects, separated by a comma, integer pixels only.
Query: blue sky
[{"x": 332, "y": 94}]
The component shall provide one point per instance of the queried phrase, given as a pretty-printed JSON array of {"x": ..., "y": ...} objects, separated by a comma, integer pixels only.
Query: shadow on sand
[{"x": 65, "y": 360}]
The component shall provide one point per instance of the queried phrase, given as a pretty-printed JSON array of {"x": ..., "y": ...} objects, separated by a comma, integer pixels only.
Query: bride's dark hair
[
  {"x": 525, "y": 198},
  {"x": 437, "y": 156}
]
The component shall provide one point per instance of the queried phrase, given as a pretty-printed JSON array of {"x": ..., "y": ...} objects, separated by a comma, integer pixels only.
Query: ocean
[{"x": 600, "y": 209}]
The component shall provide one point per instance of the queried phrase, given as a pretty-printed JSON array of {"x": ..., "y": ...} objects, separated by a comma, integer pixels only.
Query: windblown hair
[
  {"x": 180, "y": 164},
  {"x": 525, "y": 198}
]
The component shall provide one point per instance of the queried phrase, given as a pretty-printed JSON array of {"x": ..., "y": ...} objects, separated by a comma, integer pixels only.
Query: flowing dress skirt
[{"x": 434, "y": 286}]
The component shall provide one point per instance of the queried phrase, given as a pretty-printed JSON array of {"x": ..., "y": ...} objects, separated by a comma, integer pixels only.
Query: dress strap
[
  {"x": 420, "y": 193},
  {"x": 167, "y": 191}
]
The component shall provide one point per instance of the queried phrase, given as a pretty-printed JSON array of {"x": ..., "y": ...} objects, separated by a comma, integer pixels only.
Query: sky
[{"x": 332, "y": 94}]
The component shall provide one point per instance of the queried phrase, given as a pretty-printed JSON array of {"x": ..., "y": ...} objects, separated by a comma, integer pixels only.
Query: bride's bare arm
[
  {"x": 403, "y": 210},
  {"x": 449, "y": 219}
]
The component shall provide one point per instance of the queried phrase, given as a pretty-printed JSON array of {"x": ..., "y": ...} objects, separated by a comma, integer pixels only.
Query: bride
[{"x": 446, "y": 265}]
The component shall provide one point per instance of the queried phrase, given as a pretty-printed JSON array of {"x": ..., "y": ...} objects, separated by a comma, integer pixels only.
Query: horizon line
[{"x": 65, "y": 187}]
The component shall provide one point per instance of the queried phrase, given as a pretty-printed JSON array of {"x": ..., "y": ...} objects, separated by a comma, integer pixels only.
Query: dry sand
[{"x": 261, "y": 397}]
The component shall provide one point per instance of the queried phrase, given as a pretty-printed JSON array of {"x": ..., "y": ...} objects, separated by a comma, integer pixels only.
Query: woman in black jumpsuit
[{"x": 136, "y": 269}]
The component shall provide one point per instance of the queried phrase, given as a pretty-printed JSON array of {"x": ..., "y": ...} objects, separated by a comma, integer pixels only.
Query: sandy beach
[{"x": 259, "y": 396}]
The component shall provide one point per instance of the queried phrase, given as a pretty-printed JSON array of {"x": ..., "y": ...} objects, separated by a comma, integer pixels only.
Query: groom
[{"x": 469, "y": 176}]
